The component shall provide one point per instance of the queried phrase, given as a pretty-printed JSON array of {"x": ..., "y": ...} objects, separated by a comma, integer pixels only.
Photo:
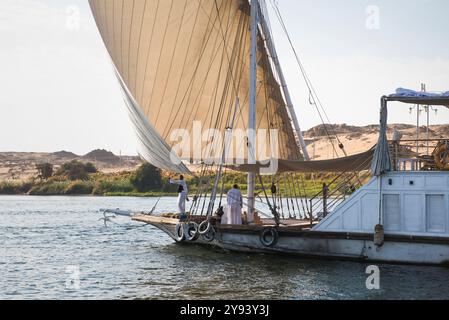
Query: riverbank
[
  {"x": 120, "y": 185},
  {"x": 101, "y": 185}
]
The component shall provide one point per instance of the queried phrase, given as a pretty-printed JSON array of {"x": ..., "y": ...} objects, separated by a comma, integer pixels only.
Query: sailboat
[{"x": 189, "y": 65}]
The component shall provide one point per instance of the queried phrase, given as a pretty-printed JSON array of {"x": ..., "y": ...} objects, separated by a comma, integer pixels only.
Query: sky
[{"x": 58, "y": 90}]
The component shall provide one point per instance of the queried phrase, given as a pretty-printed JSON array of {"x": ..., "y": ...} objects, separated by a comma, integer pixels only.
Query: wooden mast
[{"x": 252, "y": 109}]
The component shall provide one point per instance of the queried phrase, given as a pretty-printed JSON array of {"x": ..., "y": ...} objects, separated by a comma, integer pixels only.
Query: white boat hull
[
  {"x": 397, "y": 249},
  {"x": 414, "y": 214},
  {"x": 352, "y": 249}
]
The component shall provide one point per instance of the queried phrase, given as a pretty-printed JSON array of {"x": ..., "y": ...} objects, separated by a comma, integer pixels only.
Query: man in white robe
[
  {"x": 182, "y": 196},
  {"x": 234, "y": 210}
]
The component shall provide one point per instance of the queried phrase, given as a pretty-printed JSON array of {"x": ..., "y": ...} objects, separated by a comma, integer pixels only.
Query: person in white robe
[
  {"x": 233, "y": 214},
  {"x": 183, "y": 192}
]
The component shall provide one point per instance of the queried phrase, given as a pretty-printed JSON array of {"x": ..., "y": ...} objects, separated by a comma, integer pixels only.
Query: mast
[
  {"x": 252, "y": 108},
  {"x": 272, "y": 51}
]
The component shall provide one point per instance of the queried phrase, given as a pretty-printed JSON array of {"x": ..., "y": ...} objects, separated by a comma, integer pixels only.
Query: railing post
[
  {"x": 325, "y": 194},
  {"x": 311, "y": 213},
  {"x": 395, "y": 156}
]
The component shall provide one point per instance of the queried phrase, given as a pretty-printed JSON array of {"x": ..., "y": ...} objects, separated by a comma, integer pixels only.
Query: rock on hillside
[
  {"x": 64, "y": 155},
  {"x": 101, "y": 156}
]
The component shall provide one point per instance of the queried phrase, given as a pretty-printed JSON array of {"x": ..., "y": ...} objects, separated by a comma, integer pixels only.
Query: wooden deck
[
  {"x": 154, "y": 219},
  {"x": 285, "y": 224}
]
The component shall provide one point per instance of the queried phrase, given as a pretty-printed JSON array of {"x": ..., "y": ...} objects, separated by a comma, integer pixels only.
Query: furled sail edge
[
  {"x": 270, "y": 48},
  {"x": 152, "y": 147},
  {"x": 353, "y": 163}
]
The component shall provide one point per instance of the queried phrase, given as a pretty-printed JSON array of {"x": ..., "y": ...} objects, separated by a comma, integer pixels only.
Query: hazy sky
[{"x": 58, "y": 91}]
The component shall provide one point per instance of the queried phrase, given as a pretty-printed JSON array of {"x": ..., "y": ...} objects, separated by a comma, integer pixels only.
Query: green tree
[
  {"x": 90, "y": 168},
  {"x": 74, "y": 170},
  {"x": 147, "y": 178},
  {"x": 45, "y": 170}
]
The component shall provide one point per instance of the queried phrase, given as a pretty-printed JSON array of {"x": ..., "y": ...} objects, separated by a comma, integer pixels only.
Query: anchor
[{"x": 107, "y": 218}]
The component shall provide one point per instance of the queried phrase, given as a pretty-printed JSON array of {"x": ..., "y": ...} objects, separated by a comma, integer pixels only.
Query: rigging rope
[{"x": 313, "y": 96}]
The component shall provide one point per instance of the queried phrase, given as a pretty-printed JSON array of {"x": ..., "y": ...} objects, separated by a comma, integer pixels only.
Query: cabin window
[
  {"x": 436, "y": 213},
  {"x": 392, "y": 212}
]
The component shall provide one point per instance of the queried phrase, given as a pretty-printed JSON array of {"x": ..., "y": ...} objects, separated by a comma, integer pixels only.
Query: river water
[{"x": 56, "y": 248}]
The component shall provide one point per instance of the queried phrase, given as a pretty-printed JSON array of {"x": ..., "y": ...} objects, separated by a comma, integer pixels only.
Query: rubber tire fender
[
  {"x": 202, "y": 230},
  {"x": 273, "y": 234},
  {"x": 191, "y": 231},
  {"x": 439, "y": 159},
  {"x": 209, "y": 236},
  {"x": 180, "y": 232}
]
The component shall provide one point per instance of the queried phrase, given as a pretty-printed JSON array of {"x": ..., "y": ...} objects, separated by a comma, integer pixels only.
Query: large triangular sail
[{"x": 186, "y": 62}]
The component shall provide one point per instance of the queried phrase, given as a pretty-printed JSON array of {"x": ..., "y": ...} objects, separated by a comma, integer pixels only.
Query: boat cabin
[{"x": 409, "y": 193}]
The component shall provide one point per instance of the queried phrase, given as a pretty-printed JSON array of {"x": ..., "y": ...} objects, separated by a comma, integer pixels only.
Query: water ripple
[{"x": 44, "y": 238}]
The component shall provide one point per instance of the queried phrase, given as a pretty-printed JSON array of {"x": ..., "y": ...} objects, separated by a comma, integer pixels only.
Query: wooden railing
[
  {"x": 335, "y": 192},
  {"x": 414, "y": 155}
]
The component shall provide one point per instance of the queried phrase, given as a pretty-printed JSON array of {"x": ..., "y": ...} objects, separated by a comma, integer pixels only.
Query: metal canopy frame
[{"x": 425, "y": 101}]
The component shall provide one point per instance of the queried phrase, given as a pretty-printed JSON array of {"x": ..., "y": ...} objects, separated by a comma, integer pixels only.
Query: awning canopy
[{"x": 421, "y": 98}]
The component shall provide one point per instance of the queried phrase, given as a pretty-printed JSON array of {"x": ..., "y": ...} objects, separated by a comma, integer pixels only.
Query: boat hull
[{"x": 397, "y": 249}]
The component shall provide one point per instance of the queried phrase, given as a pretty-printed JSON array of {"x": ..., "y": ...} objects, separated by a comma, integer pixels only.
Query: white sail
[{"x": 183, "y": 61}]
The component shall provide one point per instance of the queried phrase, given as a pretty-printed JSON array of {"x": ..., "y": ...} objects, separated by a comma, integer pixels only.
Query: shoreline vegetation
[
  {"x": 76, "y": 178},
  {"x": 41, "y": 173}
]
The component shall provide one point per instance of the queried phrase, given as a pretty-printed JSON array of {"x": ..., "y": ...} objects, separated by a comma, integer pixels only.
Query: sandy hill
[
  {"x": 20, "y": 166},
  {"x": 102, "y": 156},
  {"x": 65, "y": 155},
  {"x": 359, "y": 139}
]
